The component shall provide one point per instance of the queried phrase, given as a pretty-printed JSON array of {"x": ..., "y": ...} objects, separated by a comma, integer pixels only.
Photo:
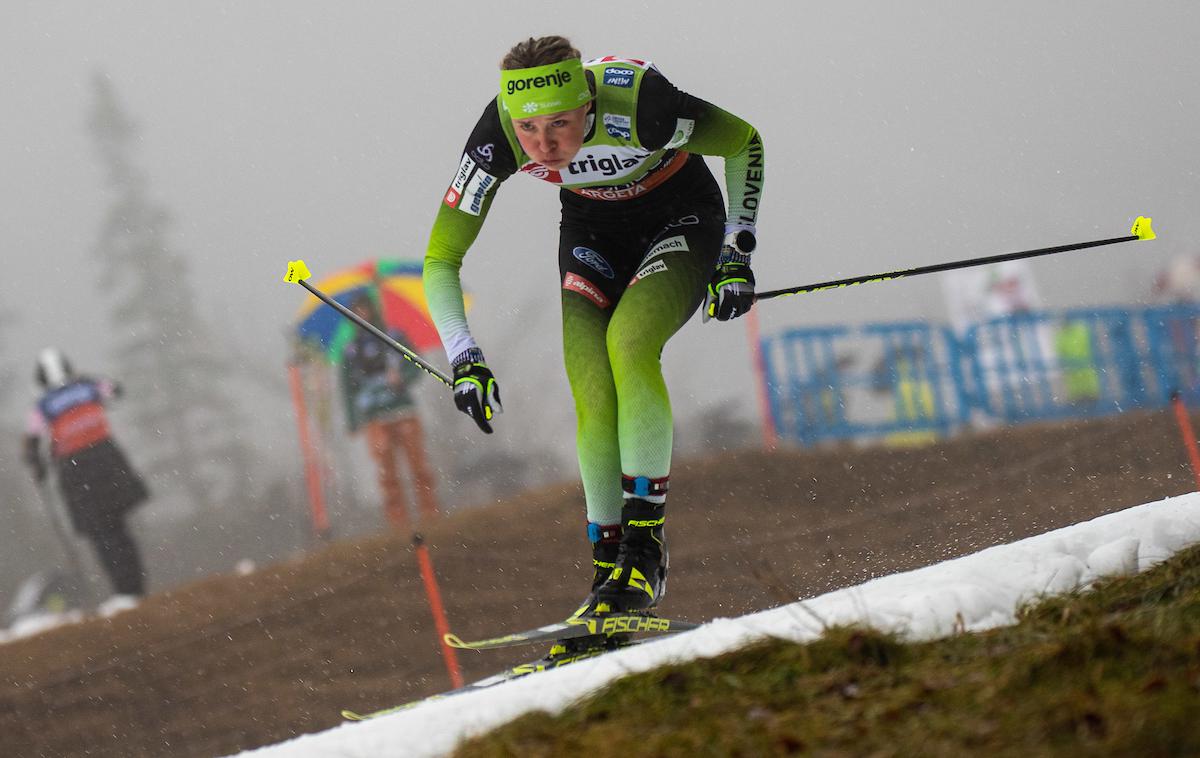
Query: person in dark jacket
[
  {"x": 376, "y": 385},
  {"x": 98, "y": 485}
]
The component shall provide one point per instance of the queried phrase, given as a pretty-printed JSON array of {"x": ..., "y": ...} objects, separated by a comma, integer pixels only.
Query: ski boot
[
  {"x": 606, "y": 543},
  {"x": 639, "y": 580}
]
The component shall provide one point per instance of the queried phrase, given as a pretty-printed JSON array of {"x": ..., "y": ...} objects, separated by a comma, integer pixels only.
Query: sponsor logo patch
[
  {"x": 688, "y": 220},
  {"x": 677, "y": 243},
  {"x": 684, "y": 221},
  {"x": 612, "y": 193},
  {"x": 662, "y": 171},
  {"x": 484, "y": 154},
  {"x": 477, "y": 189},
  {"x": 556, "y": 79},
  {"x": 683, "y": 132},
  {"x": 594, "y": 260},
  {"x": 653, "y": 268},
  {"x": 465, "y": 167},
  {"x": 576, "y": 283},
  {"x": 454, "y": 194},
  {"x": 606, "y": 162},
  {"x": 618, "y": 126},
  {"x": 538, "y": 171},
  {"x": 615, "y": 76}
]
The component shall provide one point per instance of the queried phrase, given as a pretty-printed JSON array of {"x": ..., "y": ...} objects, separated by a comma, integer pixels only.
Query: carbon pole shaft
[
  {"x": 393, "y": 344},
  {"x": 838, "y": 283},
  {"x": 62, "y": 532}
]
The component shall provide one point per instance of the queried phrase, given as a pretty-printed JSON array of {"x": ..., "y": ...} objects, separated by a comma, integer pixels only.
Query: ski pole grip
[{"x": 296, "y": 271}]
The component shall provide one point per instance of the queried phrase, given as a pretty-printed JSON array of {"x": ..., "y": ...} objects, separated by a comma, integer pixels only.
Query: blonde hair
[{"x": 541, "y": 51}]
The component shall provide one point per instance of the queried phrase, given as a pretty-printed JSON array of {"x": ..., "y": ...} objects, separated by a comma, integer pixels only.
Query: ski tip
[
  {"x": 1142, "y": 229},
  {"x": 296, "y": 272},
  {"x": 352, "y": 716},
  {"x": 453, "y": 640}
]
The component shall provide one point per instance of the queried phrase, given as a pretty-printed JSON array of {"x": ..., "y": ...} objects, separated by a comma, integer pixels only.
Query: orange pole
[
  {"x": 770, "y": 437},
  {"x": 439, "y": 613},
  {"x": 312, "y": 473},
  {"x": 1189, "y": 436}
]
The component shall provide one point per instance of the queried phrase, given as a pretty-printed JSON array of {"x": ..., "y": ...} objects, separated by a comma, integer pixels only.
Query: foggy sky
[{"x": 897, "y": 134}]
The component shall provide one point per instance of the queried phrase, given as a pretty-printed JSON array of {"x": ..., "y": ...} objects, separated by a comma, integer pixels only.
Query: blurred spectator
[
  {"x": 96, "y": 482},
  {"x": 376, "y": 386},
  {"x": 1081, "y": 380},
  {"x": 905, "y": 371},
  {"x": 1179, "y": 282}
]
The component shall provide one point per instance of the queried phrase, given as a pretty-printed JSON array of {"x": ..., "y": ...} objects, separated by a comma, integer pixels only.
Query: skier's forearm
[
  {"x": 443, "y": 291},
  {"x": 744, "y": 181},
  {"x": 453, "y": 232},
  {"x": 723, "y": 134}
]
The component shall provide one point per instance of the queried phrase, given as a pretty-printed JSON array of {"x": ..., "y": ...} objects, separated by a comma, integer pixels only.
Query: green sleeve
[
  {"x": 453, "y": 233},
  {"x": 487, "y": 160},
  {"x": 718, "y": 132}
]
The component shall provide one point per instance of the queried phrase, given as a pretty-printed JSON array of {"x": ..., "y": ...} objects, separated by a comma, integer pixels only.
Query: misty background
[{"x": 251, "y": 134}]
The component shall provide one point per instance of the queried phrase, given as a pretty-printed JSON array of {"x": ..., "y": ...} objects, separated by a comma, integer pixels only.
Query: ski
[
  {"x": 584, "y": 626},
  {"x": 516, "y": 672},
  {"x": 610, "y": 630}
]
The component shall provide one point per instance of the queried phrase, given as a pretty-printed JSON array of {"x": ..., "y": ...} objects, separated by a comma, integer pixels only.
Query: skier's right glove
[
  {"x": 475, "y": 390},
  {"x": 731, "y": 290}
]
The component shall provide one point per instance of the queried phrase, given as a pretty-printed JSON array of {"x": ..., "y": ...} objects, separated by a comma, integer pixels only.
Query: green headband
[{"x": 542, "y": 90}]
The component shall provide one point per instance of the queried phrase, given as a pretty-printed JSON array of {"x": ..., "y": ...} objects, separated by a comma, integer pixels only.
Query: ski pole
[
  {"x": 65, "y": 542},
  {"x": 298, "y": 272},
  {"x": 1141, "y": 231}
]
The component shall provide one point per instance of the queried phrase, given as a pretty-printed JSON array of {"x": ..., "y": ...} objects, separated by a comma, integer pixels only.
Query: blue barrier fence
[{"x": 910, "y": 381}]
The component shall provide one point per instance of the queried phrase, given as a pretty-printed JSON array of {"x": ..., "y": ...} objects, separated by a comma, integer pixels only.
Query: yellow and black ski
[
  {"x": 611, "y": 632},
  {"x": 516, "y": 672},
  {"x": 607, "y": 624}
]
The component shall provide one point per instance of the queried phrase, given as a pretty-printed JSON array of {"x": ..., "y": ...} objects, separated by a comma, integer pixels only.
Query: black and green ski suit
[{"x": 642, "y": 227}]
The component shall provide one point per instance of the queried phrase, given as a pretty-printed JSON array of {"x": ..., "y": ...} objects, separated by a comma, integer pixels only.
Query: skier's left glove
[
  {"x": 475, "y": 390},
  {"x": 731, "y": 289}
]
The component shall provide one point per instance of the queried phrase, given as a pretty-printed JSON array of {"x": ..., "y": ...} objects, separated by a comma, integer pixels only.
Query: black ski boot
[
  {"x": 606, "y": 543},
  {"x": 639, "y": 580}
]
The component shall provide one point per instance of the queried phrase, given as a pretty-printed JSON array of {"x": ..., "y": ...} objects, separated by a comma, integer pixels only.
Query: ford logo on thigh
[{"x": 594, "y": 260}]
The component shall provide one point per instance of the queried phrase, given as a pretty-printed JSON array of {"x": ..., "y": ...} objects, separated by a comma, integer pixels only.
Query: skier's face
[{"x": 554, "y": 139}]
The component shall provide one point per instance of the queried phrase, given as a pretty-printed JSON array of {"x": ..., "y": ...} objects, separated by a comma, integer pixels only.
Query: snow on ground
[
  {"x": 975, "y": 592},
  {"x": 38, "y": 623}
]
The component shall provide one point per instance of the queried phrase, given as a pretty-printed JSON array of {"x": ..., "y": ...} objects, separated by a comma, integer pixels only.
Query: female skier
[{"x": 645, "y": 238}]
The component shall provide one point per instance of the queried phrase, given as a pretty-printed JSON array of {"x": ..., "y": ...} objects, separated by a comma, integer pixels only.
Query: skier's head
[
  {"x": 53, "y": 368},
  {"x": 546, "y": 94}
]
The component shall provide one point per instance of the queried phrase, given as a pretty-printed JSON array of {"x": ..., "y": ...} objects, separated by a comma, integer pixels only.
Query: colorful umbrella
[{"x": 396, "y": 287}]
